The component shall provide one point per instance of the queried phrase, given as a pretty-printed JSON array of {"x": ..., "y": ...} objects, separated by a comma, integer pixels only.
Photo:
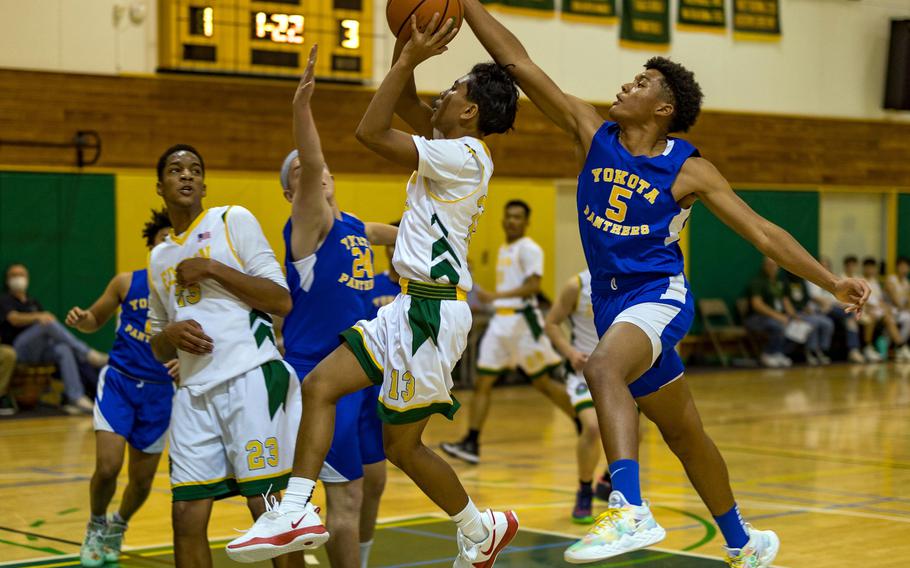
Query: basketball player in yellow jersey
[
  {"x": 412, "y": 344},
  {"x": 212, "y": 284}
]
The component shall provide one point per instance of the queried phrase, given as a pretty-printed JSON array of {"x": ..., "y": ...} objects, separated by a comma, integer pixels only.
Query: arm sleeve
[
  {"x": 157, "y": 314},
  {"x": 447, "y": 161},
  {"x": 251, "y": 247},
  {"x": 531, "y": 259}
]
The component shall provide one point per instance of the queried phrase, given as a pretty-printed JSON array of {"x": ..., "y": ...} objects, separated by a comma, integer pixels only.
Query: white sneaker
[
  {"x": 501, "y": 529},
  {"x": 92, "y": 552},
  {"x": 113, "y": 540},
  {"x": 822, "y": 358},
  {"x": 812, "y": 360},
  {"x": 903, "y": 354},
  {"x": 759, "y": 552},
  {"x": 620, "y": 529},
  {"x": 783, "y": 360},
  {"x": 275, "y": 533},
  {"x": 856, "y": 357},
  {"x": 770, "y": 361},
  {"x": 872, "y": 355}
]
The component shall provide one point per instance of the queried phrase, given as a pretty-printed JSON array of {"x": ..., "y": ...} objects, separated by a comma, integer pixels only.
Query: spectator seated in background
[
  {"x": 898, "y": 287},
  {"x": 7, "y": 366},
  {"x": 825, "y": 303},
  {"x": 767, "y": 314},
  {"x": 38, "y": 337},
  {"x": 818, "y": 343},
  {"x": 879, "y": 311}
]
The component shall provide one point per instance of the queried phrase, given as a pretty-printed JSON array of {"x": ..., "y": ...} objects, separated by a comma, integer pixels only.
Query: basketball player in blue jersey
[
  {"x": 635, "y": 189},
  {"x": 133, "y": 404},
  {"x": 329, "y": 266}
]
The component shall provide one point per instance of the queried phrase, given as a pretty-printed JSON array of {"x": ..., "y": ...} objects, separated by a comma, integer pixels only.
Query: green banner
[
  {"x": 757, "y": 18},
  {"x": 598, "y": 11},
  {"x": 536, "y": 8},
  {"x": 645, "y": 22},
  {"x": 709, "y": 14}
]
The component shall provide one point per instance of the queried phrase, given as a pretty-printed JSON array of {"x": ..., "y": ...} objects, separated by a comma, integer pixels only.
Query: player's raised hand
[
  {"x": 76, "y": 316},
  {"x": 187, "y": 335},
  {"x": 308, "y": 81},
  {"x": 854, "y": 292},
  {"x": 425, "y": 43}
]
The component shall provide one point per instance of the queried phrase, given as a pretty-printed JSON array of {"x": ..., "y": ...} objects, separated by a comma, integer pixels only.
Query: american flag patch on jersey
[{"x": 204, "y": 236}]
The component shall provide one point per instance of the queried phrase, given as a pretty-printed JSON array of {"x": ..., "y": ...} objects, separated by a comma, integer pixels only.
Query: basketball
[{"x": 398, "y": 13}]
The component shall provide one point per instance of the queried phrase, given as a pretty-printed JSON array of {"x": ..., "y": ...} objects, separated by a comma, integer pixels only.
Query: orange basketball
[{"x": 398, "y": 13}]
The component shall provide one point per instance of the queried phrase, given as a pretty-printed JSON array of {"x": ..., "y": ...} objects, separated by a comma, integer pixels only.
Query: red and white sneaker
[
  {"x": 275, "y": 533},
  {"x": 501, "y": 529}
]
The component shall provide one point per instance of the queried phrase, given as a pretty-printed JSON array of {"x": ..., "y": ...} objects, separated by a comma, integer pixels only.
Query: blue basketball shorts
[
  {"x": 140, "y": 411},
  {"x": 662, "y": 307},
  {"x": 357, "y": 440}
]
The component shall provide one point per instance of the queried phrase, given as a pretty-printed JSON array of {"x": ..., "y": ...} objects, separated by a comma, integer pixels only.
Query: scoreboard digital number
[{"x": 267, "y": 38}]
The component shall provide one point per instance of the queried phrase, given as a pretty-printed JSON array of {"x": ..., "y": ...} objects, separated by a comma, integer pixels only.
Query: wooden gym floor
[{"x": 820, "y": 455}]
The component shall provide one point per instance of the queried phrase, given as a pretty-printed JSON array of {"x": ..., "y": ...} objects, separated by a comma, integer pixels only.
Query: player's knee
[
  {"x": 374, "y": 480},
  {"x": 108, "y": 468},
  {"x": 187, "y": 520},
  {"x": 590, "y": 433},
  {"x": 683, "y": 438},
  {"x": 484, "y": 384},
  {"x": 598, "y": 372},
  {"x": 318, "y": 387},
  {"x": 401, "y": 452}
]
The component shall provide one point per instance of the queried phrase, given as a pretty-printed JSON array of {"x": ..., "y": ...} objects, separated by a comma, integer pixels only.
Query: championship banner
[
  {"x": 591, "y": 11},
  {"x": 533, "y": 8},
  {"x": 645, "y": 24},
  {"x": 756, "y": 19},
  {"x": 702, "y": 15}
]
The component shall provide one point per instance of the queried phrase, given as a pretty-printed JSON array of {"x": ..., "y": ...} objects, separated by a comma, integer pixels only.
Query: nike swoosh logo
[
  {"x": 617, "y": 471},
  {"x": 613, "y": 284},
  {"x": 295, "y": 525},
  {"x": 493, "y": 540}
]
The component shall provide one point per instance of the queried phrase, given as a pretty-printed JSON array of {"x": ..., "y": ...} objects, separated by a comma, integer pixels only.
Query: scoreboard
[{"x": 267, "y": 38}]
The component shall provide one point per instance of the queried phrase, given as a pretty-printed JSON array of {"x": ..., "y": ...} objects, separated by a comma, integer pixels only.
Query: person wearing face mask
[{"x": 38, "y": 337}]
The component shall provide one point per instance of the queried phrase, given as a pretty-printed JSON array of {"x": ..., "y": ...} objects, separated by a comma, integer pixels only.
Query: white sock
[
  {"x": 365, "y": 553},
  {"x": 297, "y": 495},
  {"x": 470, "y": 523}
]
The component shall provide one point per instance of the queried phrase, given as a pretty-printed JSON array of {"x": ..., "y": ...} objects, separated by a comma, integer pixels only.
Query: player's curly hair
[
  {"x": 684, "y": 92},
  {"x": 494, "y": 91},
  {"x": 159, "y": 221},
  {"x": 174, "y": 149}
]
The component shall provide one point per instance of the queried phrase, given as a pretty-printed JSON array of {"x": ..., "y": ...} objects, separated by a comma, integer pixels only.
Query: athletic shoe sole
[
  {"x": 583, "y": 520},
  {"x": 626, "y": 544},
  {"x": 260, "y": 551},
  {"x": 510, "y": 534},
  {"x": 456, "y": 452}
]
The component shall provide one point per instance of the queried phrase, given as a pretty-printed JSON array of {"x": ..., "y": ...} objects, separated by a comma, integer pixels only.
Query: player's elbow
[
  {"x": 365, "y": 135},
  {"x": 282, "y": 305}
]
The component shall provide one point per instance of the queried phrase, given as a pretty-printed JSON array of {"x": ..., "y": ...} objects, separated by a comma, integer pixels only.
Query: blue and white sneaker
[
  {"x": 759, "y": 552},
  {"x": 620, "y": 529}
]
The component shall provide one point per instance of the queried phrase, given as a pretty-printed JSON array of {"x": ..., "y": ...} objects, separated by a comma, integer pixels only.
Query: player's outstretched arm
[
  {"x": 375, "y": 130},
  {"x": 559, "y": 312},
  {"x": 92, "y": 319},
  {"x": 578, "y": 118},
  {"x": 699, "y": 176},
  {"x": 381, "y": 234},
  {"x": 409, "y": 107},
  {"x": 311, "y": 215}
]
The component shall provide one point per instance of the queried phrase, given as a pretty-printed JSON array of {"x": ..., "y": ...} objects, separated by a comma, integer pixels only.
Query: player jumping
[
  {"x": 414, "y": 343},
  {"x": 635, "y": 189}
]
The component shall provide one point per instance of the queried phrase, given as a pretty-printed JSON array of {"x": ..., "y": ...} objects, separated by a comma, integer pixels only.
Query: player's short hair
[
  {"x": 850, "y": 258},
  {"x": 493, "y": 90},
  {"x": 902, "y": 260},
  {"x": 683, "y": 90},
  {"x": 159, "y": 221},
  {"x": 162, "y": 161},
  {"x": 870, "y": 261},
  {"x": 520, "y": 203}
]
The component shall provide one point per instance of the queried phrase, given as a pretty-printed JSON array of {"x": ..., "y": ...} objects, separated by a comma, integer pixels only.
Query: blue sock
[
  {"x": 733, "y": 528},
  {"x": 624, "y": 476}
]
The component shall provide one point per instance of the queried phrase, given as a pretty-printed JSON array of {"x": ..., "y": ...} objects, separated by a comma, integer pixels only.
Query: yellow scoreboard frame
[{"x": 267, "y": 38}]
